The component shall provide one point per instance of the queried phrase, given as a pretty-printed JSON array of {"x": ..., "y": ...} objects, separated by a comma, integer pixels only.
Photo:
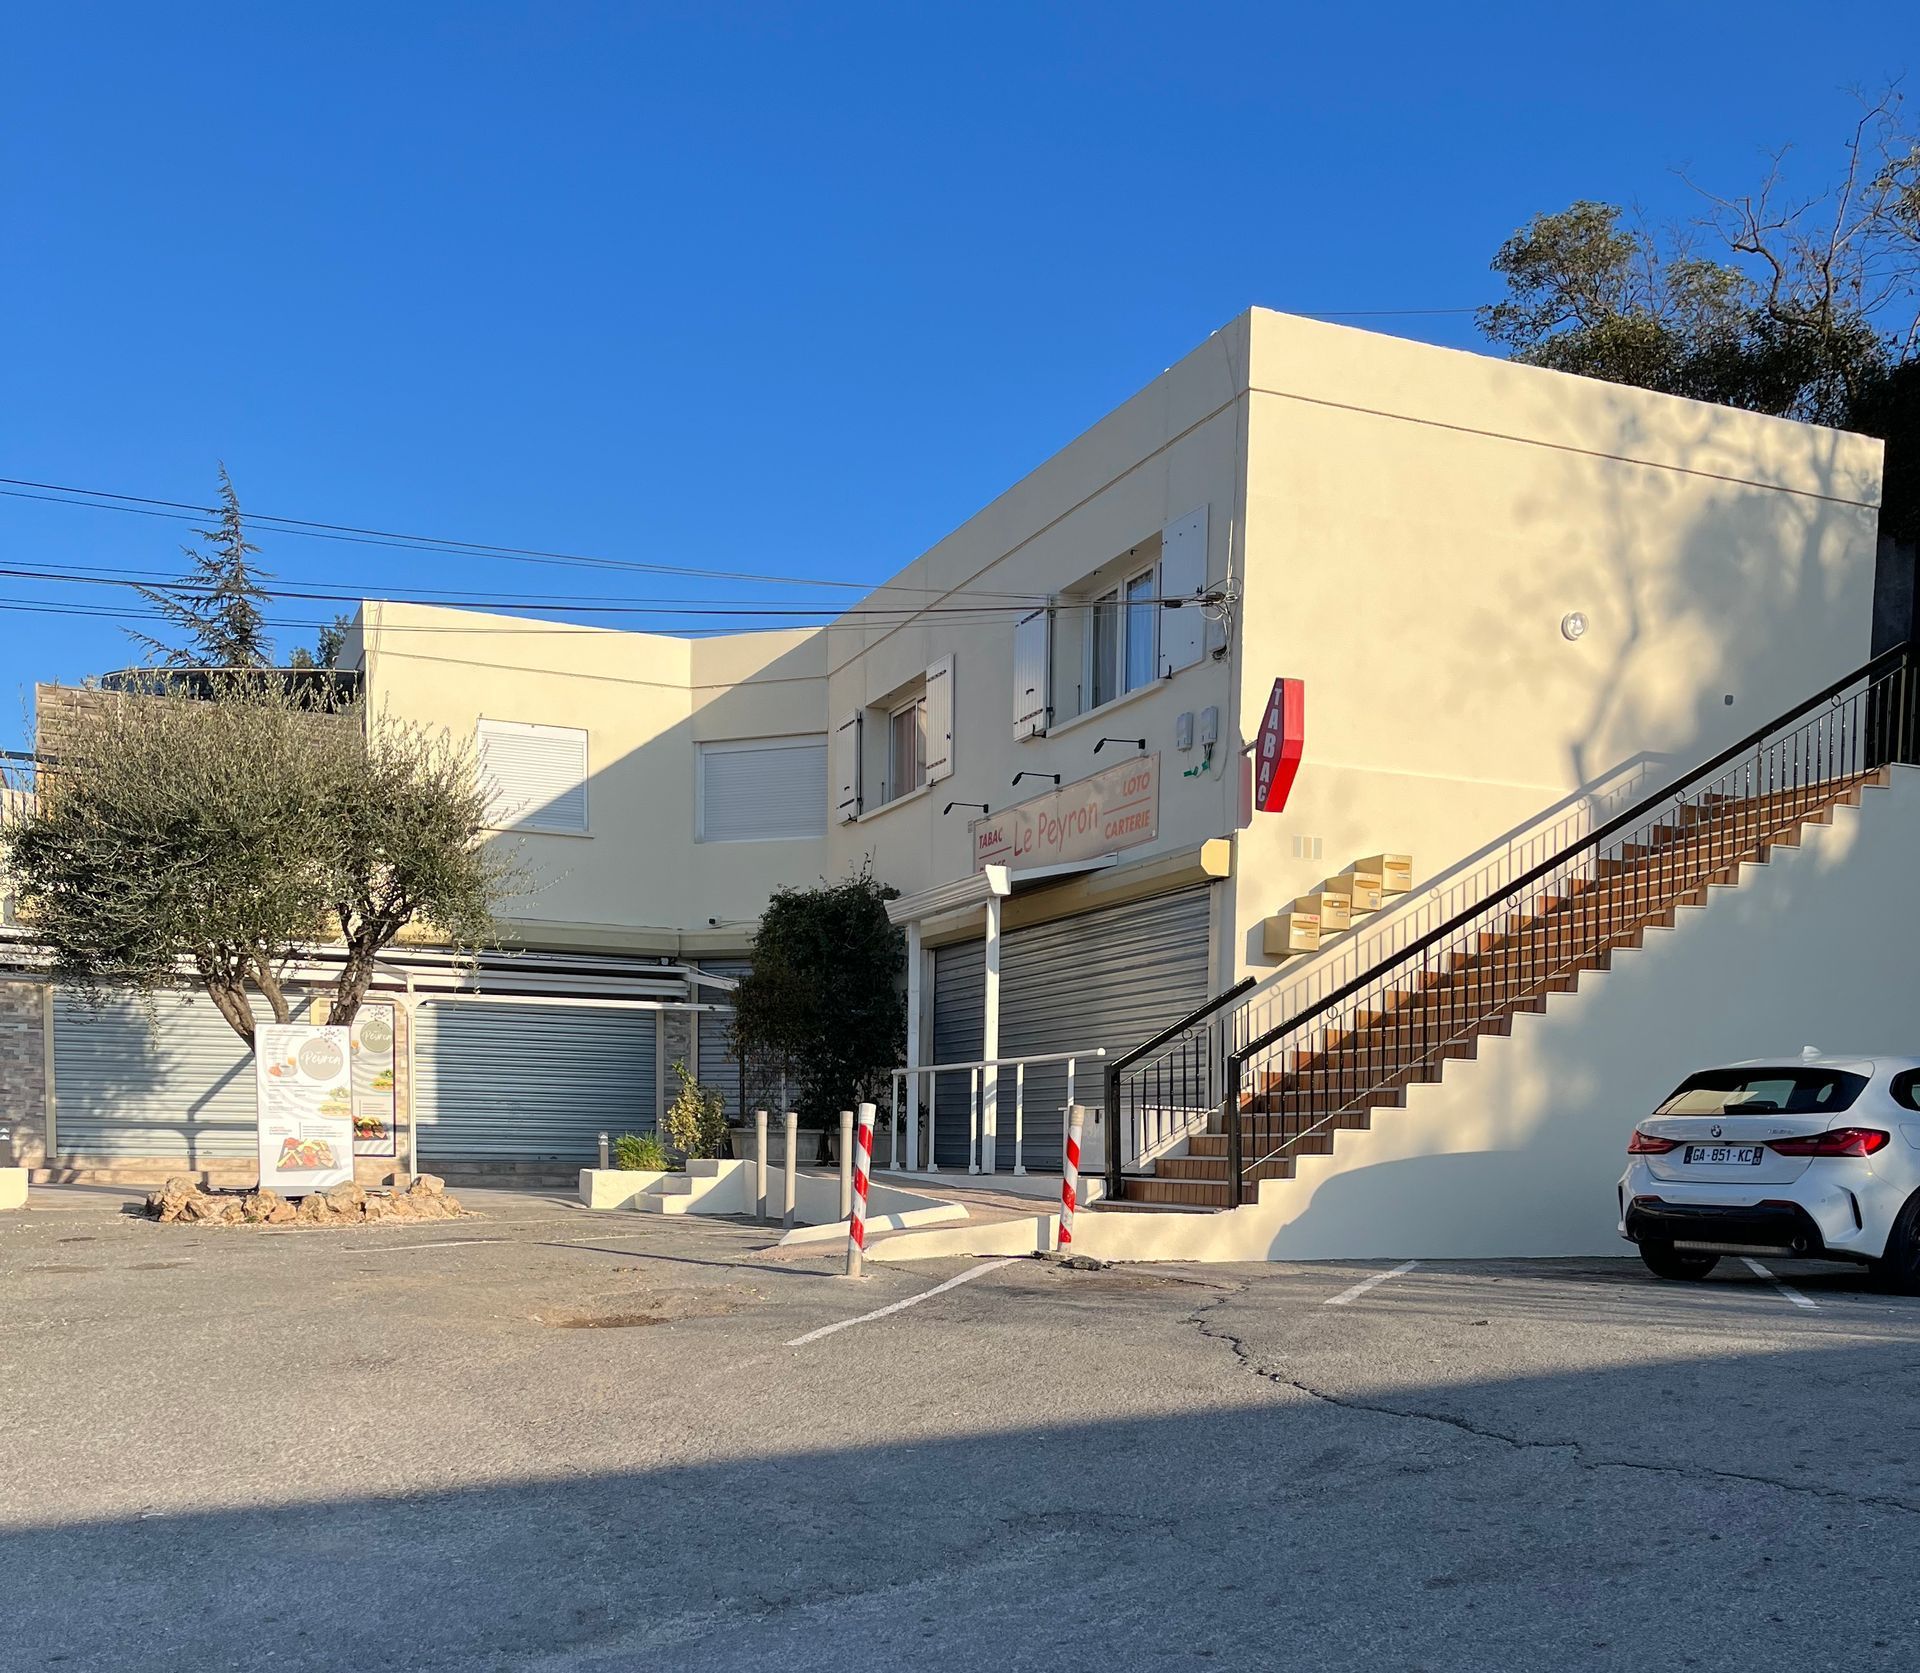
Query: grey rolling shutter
[
  {"x": 718, "y": 1069},
  {"x": 1108, "y": 978},
  {"x": 531, "y": 1083},
  {"x": 1032, "y": 673},
  {"x": 959, "y": 1027},
  {"x": 940, "y": 720},
  {"x": 763, "y": 793},
  {"x": 1183, "y": 575},
  {"x": 537, "y": 775},
  {"x": 846, "y": 768},
  {"x": 179, "y": 1090}
]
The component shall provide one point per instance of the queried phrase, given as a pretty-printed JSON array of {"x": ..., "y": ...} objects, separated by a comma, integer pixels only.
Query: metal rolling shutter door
[
  {"x": 1108, "y": 978},
  {"x": 959, "y": 1025},
  {"x": 178, "y": 1088},
  {"x": 531, "y": 1083},
  {"x": 717, "y": 1068}
]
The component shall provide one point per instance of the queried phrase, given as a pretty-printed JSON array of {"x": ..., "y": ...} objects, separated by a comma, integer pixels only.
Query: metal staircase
[{"x": 1226, "y": 1098}]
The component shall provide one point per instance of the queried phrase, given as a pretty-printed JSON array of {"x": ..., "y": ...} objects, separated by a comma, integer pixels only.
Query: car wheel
[
  {"x": 1899, "y": 1267},
  {"x": 1665, "y": 1261}
]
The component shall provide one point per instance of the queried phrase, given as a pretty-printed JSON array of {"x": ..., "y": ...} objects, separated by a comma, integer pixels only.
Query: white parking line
[
  {"x": 1366, "y": 1284},
  {"x": 911, "y": 1301},
  {"x": 1785, "y": 1289}
]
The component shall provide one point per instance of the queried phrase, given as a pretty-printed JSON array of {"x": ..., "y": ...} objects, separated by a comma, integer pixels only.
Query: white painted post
[
  {"x": 990, "y": 1042},
  {"x": 933, "y": 1115},
  {"x": 760, "y": 1165},
  {"x": 916, "y": 1000},
  {"x": 1019, "y": 1114},
  {"x": 793, "y": 1162},
  {"x": 893, "y": 1128},
  {"x": 973, "y": 1121},
  {"x": 857, "y": 1220},
  {"x": 846, "y": 1163},
  {"x": 1070, "y": 1179}
]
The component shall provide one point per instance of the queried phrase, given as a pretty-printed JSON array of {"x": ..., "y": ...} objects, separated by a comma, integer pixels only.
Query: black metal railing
[
  {"x": 1168, "y": 1084},
  {"x": 1293, "y": 1084}
]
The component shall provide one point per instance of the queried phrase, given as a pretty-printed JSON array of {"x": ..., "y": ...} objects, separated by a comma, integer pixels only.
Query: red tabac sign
[{"x": 1283, "y": 732}]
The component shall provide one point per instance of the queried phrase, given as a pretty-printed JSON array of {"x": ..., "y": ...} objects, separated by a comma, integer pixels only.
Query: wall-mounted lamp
[
  {"x": 982, "y": 806},
  {"x": 1017, "y": 777},
  {"x": 727, "y": 923},
  {"x": 1138, "y": 743}
]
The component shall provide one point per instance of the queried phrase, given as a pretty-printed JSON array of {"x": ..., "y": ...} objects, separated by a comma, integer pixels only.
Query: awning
[{"x": 964, "y": 894}]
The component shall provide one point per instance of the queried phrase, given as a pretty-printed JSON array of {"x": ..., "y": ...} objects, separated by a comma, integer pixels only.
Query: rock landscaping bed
[{"x": 181, "y": 1201}]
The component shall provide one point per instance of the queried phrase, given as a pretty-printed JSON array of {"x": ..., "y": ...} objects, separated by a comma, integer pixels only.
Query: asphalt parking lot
[{"x": 548, "y": 1439}]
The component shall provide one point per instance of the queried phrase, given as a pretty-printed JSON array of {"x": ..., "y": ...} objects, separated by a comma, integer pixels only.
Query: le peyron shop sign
[{"x": 1116, "y": 808}]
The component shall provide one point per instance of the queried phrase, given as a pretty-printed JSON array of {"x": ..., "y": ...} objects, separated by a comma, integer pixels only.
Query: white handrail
[{"x": 973, "y": 1070}]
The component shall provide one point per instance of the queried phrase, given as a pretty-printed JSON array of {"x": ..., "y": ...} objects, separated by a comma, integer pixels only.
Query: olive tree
[{"x": 221, "y": 835}]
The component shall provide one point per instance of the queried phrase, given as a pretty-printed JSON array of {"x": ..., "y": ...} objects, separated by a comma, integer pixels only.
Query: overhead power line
[
  {"x": 184, "y": 511},
  {"x": 859, "y": 613}
]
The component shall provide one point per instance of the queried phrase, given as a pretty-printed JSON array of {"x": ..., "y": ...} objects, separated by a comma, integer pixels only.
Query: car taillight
[
  {"x": 1650, "y": 1144},
  {"x": 1842, "y": 1141}
]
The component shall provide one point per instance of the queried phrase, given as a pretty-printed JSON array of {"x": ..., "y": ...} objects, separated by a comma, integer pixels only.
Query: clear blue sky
[{"x": 789, "y": 289}]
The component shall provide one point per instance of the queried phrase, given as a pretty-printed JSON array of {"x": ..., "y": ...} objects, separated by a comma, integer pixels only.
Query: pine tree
[{"x": 217, "y": 605}]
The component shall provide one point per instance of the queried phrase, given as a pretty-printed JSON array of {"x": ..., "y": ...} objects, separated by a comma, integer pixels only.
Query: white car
[{"x": 1817, "y": 1157}]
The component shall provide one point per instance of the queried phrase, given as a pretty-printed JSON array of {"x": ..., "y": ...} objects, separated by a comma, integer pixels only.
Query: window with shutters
[
  {"x": 907, "y": 748},
  {"x": 1134, "y": 620},
  {"x": 898, "y": 745},
  {"x": 535, "y": 776},
  {"x": 761, "y": 789}
]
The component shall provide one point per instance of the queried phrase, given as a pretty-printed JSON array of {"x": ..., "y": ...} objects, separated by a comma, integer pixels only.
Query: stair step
[{"x": 1300, "y": 1100}]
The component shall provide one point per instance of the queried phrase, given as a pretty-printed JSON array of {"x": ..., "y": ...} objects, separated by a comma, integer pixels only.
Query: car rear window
[{"x": 1764, "y": 1092}]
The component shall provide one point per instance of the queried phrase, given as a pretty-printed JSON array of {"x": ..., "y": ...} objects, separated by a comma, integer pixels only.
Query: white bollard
[
  {"x": 760, "y": 1165},
  {"x": 846, "y": 1163},
  {"x": 1070, "y": 1179},
  {"x": 862, "y": 1166},
  {"x": 793, "y": 1162}
]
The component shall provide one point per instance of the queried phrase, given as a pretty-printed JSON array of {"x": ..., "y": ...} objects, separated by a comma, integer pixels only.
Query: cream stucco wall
[
  {"x": 638, "y": 880},
  {"x": 1405, "y": 527},
  {"x": 1175, "y": 448},
  {"x": 1418, "y": 522},
  {"x": 1516, "y": 1151}
]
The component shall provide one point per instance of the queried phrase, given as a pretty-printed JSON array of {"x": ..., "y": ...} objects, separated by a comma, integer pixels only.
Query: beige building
[{"x": 1516, "y": 601}]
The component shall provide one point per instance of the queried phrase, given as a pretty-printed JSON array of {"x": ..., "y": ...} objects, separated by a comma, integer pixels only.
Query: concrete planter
[{"x": 615, "y": 1187}]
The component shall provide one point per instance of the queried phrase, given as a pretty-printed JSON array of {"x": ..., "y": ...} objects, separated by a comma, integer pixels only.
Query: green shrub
[
  {"x": 696, "y": 1121},
  {"x": 640, "y": 1153}
]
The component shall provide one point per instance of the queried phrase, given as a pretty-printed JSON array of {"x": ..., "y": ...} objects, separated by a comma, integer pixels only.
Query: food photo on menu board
[
  {"x": 371, "y": 1050},
  {"x": 304, "y": 1086}
]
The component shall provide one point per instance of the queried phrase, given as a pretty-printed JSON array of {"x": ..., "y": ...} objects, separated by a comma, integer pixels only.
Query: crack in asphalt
[{"x": 1576, "y": 1450}]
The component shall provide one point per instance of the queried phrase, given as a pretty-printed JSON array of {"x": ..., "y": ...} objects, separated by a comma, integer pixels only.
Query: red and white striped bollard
[
  {"x": 862, "y": 1167},
  {"x": 1070, "y": 1179}
]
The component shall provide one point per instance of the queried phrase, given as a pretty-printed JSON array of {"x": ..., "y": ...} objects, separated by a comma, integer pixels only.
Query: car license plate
[{"x": 1724, "y": 1155}]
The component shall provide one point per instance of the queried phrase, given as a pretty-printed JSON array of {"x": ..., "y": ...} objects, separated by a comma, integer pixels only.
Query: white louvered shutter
[
  {"x": 846, "y": 768},
  {"x": 1183, "y": 575},
  {"x": 536, "y": 776},
  {"x": 763, "y": 792},
  {"x": 940, "y": 720},
  {"x": 1032, "y": 673}
]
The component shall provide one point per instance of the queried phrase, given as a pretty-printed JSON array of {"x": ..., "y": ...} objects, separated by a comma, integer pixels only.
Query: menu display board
[
  {"x": 375, "y": 1106},
  {"x": 304, "y": 1088}
]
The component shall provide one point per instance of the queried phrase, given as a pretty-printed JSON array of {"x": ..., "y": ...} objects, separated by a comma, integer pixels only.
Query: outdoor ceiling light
[{"x": 1573, "y": 624}]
